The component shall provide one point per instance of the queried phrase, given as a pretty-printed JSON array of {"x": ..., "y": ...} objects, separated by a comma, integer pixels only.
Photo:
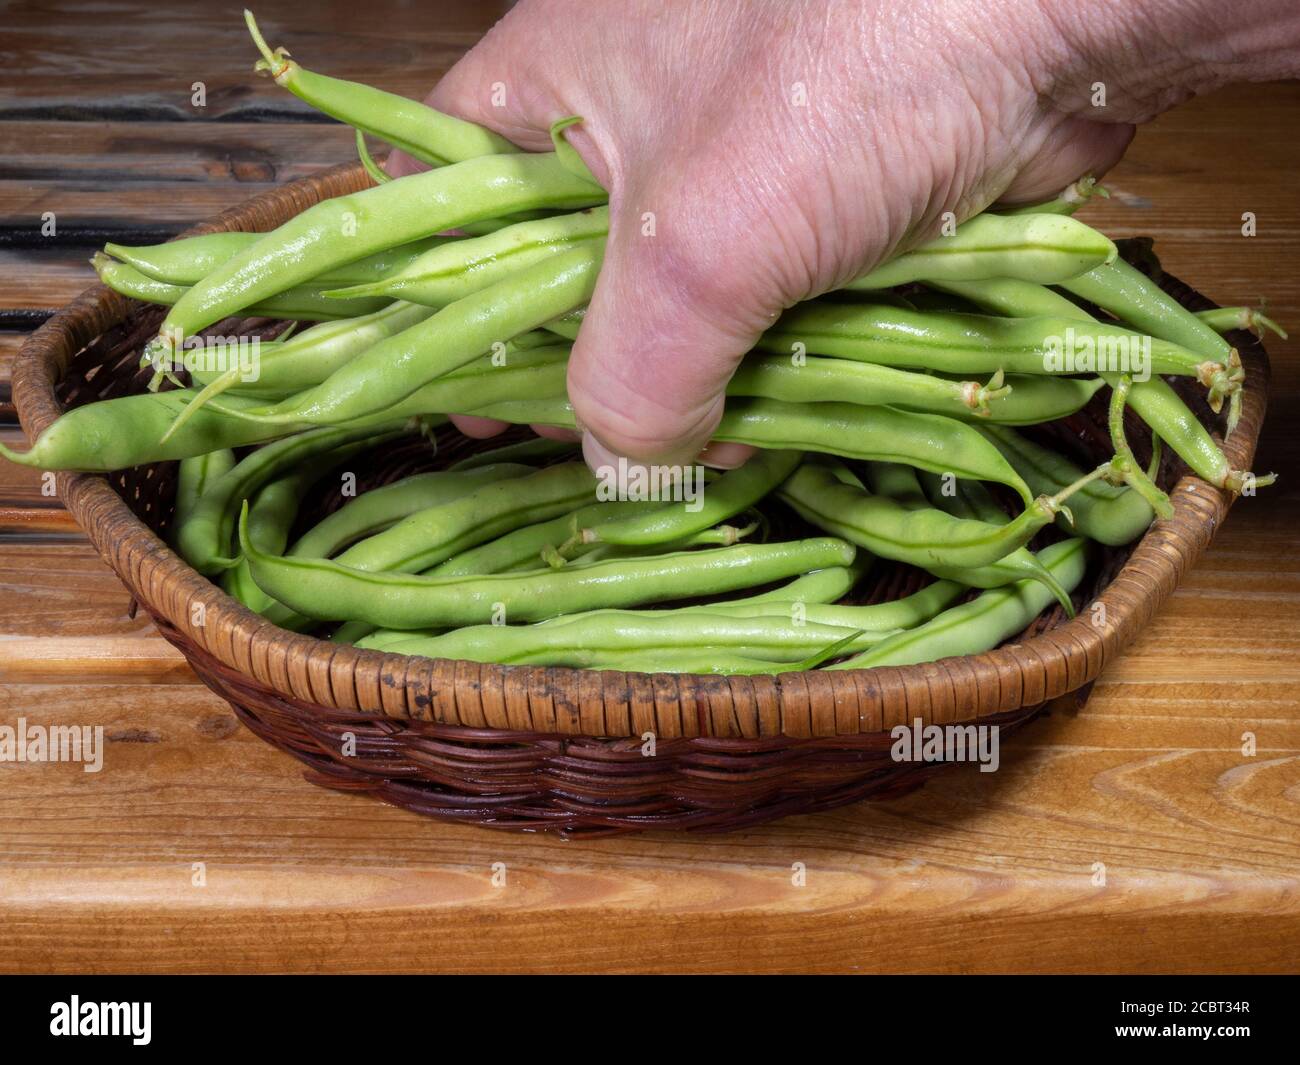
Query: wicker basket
[{"x": 560, "y": 749}]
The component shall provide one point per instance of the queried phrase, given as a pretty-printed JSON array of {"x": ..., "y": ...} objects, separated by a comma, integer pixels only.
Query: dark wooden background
[{"x": 1200, "y": 844}]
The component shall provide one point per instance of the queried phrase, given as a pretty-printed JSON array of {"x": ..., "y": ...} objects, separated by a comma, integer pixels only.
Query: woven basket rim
[{"x": 604, "y": 704}]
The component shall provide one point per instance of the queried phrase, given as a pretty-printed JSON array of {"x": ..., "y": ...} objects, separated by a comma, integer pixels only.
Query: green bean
[
  {"x": 204, "y": 541},
  {"x": 330, "y": 590},
  {"x": 307, "y": 359},
  {"x": 567, "y": 325},
  {"x": 1074, "y": 196},
  {"x": 393, "y": 369},
  {"x": 1037, "y": 247},
  {"x": 189, "y": 260},
  {"x": 301, "y": 301},
  {"x": 1226, "y": 319},
  {"x": 1154, "y": 401},
  {"x": 524, "y": 545},
  {"x": 416, "y": 128},
  {"x": 971, "y": 500},
  {"x": 193, "y": 477},
  {"x": 521, "y": 547},
  {"x": 311, "y": 356},
  {"x": 927, "y": 441},
  {"x": 271, "y": 515},
  {"x": 814, "y": 380},
  {"x": 976, "y": 343},
  {"x": 432, "y": 535},
  {"x": 922, "y": 537},
  {"x": 534, "y": 449},
  {"x": 984, "y": 622},
  {"x": 346, "y": 228},
  {"x": 821, "y": 586},
  {"x": 878, "y": 618},
  {"x": 813, "y": 590},
  {"x": 116, "y": 434},
  {"x": 710, "y": 661},
  {"x": 1031, "y": 399},
  {"x": 1130, "y": 295},
  {"x": 453, "y": 271},
  {"x": 589, "y": 554},
  {"x": 577, "y": 639},
  {"x": 732, "y": 493},
  {"x": 436, "y": 533},
  {"x": 1102, "y": 512},
  {"x": 376, "y": 510},
  {"x": 535, "y": 371}
]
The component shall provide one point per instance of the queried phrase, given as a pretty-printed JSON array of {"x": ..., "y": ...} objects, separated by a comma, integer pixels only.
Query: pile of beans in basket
[{"x": 889, "y": 418}]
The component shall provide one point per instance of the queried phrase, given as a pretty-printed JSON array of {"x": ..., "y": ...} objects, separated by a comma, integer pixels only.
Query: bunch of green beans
[{"x": 887, "y": 420}]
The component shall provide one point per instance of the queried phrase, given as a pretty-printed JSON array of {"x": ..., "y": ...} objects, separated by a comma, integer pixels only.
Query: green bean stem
[
  {"x": 1074, "y": 196},
  {"x": 1102, "y": 512},
  {"x": 1252, "y": 319}
]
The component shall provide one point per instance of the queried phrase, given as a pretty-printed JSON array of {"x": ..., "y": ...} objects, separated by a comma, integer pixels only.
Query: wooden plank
[
  {"x": 145, "y": 58},
  {"x": 62, "y": 588},
  {"x": 973, "y": 873},
  {"x": 96, "y": 659},
  {"x": 128, "y": 152}
]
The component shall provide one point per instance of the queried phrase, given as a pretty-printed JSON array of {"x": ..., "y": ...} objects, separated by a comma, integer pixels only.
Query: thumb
[
  {"x": 673, "y": 312},
  {"x": 491, "y": 85}
]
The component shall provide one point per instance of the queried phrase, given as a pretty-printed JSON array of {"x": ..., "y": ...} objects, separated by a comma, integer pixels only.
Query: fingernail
[{"x": 726, "y": 456}]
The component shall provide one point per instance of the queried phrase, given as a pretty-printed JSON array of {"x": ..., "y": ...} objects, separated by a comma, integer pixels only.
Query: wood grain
[{"x": 975, "y": 872}]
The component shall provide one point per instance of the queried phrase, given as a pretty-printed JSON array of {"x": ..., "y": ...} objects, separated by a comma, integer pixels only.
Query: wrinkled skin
[{"x": 779, "y": 148}]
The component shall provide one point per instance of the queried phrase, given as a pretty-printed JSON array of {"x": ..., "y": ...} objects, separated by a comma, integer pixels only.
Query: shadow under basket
[{"x": 566, "y": 750}]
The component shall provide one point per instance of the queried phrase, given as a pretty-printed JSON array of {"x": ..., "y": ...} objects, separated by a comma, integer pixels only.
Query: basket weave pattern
[{"x": 560, "y": 749}]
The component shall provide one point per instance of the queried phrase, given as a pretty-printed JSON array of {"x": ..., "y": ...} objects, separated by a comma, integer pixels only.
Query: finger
[
  {"x": 726, "y": 456},
  {"x": 674, "y": 310},
  {"x": 556, "y": 432},
  {"x": 478, "y": 428}
]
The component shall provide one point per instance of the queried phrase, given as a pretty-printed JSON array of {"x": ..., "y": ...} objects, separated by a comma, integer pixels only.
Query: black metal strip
[
  {"x": 73, "y": 111},
  {"x": 87, "y": 235},
  {"x": 24, "y": 318}
]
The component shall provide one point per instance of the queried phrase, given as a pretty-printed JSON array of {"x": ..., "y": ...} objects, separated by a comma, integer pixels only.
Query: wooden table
[{"x": 198, "y": 848}]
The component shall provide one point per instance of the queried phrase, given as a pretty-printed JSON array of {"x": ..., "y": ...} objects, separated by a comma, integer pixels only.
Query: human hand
[{"x": 757, "y": 154}]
